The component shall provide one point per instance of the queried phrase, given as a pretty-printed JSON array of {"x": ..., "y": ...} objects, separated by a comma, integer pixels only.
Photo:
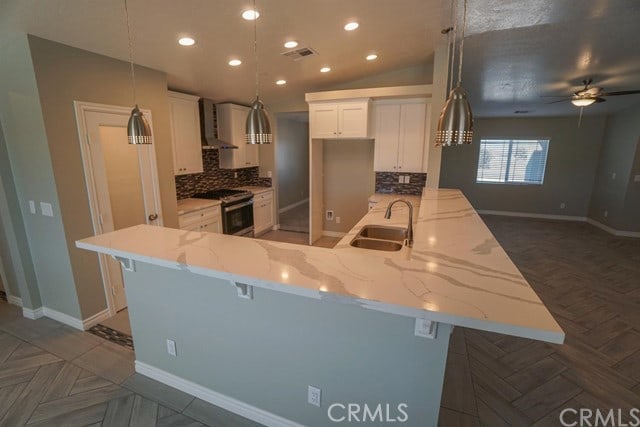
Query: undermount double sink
[{"x": 380, "y": 238}]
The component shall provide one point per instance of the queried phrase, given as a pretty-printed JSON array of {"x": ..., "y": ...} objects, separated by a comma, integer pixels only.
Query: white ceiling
[{"x": 515, "y": 52}]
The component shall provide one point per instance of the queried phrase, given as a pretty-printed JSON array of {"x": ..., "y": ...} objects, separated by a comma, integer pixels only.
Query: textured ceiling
[{"x": 515, "y": 50}]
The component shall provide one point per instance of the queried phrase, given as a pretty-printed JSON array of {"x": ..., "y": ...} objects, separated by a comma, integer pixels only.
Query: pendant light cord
[
  {"x": 133, "y": 73},
  {"x": 464, "y": 24},
  {"x": 453, "y": 35},
  {"x": 255, "y": 44}
]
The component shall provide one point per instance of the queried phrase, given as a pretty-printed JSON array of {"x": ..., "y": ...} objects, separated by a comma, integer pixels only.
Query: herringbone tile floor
[
  {"x": 52, "y": 375},
  {"x": 590, "y": 281}
]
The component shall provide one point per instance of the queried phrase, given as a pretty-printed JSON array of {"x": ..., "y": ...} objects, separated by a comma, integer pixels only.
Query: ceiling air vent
[{"x": 300, "y": 53}]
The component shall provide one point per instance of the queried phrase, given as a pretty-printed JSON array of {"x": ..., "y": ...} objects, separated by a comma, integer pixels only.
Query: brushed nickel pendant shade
[
  {"x": 258, "y": 128},
  {"x": 138, "y": 129},
  {"x": 455, "y": 126}
]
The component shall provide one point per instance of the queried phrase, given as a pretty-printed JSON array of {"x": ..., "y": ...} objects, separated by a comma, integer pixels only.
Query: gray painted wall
[
  {"x": 65, "y": 74},
  {"x": 571, "y": 166},
  {"x": 349, "y": 180},
  {"x": 32, "y": 175},
  {"x": 266, "y": 351},
  {"x": 293, "y": 160},
  {"x": 620, "y": 154}
]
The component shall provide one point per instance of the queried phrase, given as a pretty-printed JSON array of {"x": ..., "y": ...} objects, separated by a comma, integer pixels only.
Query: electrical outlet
[
  {"x": 606, "y": 213},
  {"x": 337, "y": 220},
  {"x": 563, "y": 205},
  {"x": 314, "y": 395},
  {"x": 270, "y": 174},
  {"x": 32, "y": 206},
  {"x": 613, "y": 175},
  {"x": 400, "y": 179},
  {"x": 636, "y": 178},
  {"x": 171, "y": 347},
  {"x": 235, "y": 175},
  {"x": 329, "y": 215},
  {"x": 407, "y": 179},
  {"x": 46, "y": 209}
]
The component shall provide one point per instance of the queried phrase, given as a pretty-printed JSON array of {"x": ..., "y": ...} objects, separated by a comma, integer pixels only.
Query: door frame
[{"x": 81, "y": 109}]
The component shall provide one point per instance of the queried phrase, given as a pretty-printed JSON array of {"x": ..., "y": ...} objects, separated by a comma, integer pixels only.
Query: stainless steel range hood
[{"x": 209, "y": 126}]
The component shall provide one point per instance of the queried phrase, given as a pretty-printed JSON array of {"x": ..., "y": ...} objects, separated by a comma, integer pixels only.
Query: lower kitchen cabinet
[
  {"x": 207, "y": 219},
  {"x": 263, "y": 207}
]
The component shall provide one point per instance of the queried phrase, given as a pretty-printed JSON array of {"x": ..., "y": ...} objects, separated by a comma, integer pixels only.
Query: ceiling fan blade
[
  {"x": 555, "y": 96},
  {"x": 622, "y": 92},
  {"x": 599, "y": 99},
  {"x": 560, "y": 100}
]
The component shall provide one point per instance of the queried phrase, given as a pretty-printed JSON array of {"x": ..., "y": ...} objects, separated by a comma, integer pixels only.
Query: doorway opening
[
  {"x": 122, "y": 183},
  {"x": 292, "y": 160}
]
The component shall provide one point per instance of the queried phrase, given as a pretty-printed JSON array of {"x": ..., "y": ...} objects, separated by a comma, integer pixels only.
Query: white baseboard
[
  {"x": 32, "y": 314},
  {"x": 532, "y": 215},
  {"x": 95, "y": 319},
  {"x": 619, "y": 233},
  {"x": 610, "y": 230},
  {"x": 63, "y": 318},
  {"x": 215, "y": 398},
  {"x": 14, "y": 300},
  {"x": 333, "y": 233},
  {"x": 293, "y": 205}
]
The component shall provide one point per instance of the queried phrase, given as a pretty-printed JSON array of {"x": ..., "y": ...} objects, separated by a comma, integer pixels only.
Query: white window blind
[{"x": 512, "y": 161}]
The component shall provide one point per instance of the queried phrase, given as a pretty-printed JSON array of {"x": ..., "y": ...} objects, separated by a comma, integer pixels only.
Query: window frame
[{"x": 511, "y": 140}]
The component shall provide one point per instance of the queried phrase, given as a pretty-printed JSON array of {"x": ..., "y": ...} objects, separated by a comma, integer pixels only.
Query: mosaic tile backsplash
[
  {"x": 213, "y": 177},
  {"x": 387, "y": 182}
]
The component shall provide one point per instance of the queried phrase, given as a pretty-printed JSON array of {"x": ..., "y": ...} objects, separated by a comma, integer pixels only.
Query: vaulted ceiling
[{"x": 514, "y": 53}]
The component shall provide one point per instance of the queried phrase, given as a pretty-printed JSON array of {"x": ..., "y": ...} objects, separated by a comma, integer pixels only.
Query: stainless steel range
[{"x": 237, "y": 210}]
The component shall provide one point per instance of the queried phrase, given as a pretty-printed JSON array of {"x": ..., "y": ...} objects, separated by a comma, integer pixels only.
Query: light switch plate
[
  {"x": 46, "y": 209},
  {"x": 171, "y": 348},
  {"x": 32, "y": 206},
  {"x": 636, "y": 178},
  {"x": 314, "y": 395},
  {"x": 407, "y": 179}
]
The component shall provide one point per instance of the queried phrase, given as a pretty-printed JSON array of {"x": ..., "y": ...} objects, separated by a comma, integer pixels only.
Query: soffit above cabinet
[{"x": 373, "y": 93}]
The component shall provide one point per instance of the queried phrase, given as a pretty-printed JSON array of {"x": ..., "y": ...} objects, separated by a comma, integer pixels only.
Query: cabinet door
[
  {"x": 252, "y": 155},
  {"x": 263, "y": 218},
  {"x": 185, "y": 134},
  {"x": 387, "y": 136},
  {"x": 353, "y": 120},
  {"x": 323, "y": 120},
  {"x": 412, "y": 127},
  {"x": 232, "y": 121}
]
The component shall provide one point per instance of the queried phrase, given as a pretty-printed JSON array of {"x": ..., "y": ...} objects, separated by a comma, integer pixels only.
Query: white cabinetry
[
  {"x": 263, "y": 218},
  {"x": 339, "y": 120},
  {"x": 207, "y": 219},
  {"x": 232, "y": 120},
  {"x": 400, "y": 132},
  {"x": 185, "y": 133}
]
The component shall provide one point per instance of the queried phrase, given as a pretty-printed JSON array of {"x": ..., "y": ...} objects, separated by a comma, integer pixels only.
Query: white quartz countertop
[
  {"x": 190, "y": 205},
  {"x": 456, "y": 272}
]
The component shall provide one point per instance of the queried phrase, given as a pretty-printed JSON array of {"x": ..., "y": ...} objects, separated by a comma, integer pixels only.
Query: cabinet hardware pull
[{"x": 153, "y": 217}]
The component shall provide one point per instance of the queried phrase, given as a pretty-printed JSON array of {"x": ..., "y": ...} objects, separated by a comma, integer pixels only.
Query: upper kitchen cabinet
[
  {"x": 232, "y": 119},
  {"x": 349, "y": 119},
  {"x": 401, "y": 129},
  {"x": 185, "y": 133}
]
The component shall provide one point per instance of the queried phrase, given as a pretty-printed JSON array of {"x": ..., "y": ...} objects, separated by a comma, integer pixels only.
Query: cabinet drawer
[
  {"x": 200, "y": 216},
  {"x": 263, "y": 196}
]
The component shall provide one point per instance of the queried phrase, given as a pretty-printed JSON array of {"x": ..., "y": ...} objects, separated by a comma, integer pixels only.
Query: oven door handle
[{"x": 236, "y": 207}]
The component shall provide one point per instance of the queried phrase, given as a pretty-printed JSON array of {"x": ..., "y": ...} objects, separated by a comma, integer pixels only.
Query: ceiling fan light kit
[
  {"x": 583, "y": 102},
  {"x": 455, "y": 125}
]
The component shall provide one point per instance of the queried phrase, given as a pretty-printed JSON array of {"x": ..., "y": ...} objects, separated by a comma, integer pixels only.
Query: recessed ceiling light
[
  {"x": 291, "y": 44},
  {"x": 372, "y": 57},
  {"x": 235, "y": 62},
  {"x": 351, "y": 26},
  {"x": 250, "y": 14},
  {"x": 281, "y": 82},
  {"x": 325, "y": 69},
  {"x": 186, "y": 41}
]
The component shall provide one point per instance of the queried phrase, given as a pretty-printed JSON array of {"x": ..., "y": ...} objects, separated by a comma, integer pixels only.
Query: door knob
[{"x": 153, "y": 217}]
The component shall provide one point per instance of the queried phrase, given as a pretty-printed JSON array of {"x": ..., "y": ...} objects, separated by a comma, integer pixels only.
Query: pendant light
[
  {"x": 455, "y": 126},
  {"x": 258, "y": 128},
  {"x": 138, "y": 129}
]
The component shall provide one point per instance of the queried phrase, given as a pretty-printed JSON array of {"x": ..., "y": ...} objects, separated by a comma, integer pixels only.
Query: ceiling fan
[{"x": 589, "y": 95}]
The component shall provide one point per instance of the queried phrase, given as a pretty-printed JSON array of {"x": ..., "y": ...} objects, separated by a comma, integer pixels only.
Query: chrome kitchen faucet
[{"x": 387, "y": 215}]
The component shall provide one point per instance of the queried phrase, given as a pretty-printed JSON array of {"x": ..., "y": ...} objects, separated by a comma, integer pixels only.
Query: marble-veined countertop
[{"x": 456, "y": 272}]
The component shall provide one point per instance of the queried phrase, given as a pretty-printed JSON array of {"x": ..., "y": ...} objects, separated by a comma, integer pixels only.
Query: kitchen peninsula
[{"x": 256, "y": 322}]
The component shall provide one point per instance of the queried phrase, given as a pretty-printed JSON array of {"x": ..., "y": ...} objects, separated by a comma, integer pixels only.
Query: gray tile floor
[{"x": 52, "y": 375}]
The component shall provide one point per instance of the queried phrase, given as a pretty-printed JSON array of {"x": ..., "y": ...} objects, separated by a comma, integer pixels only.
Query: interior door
[{"x": 125, "y": 187}]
